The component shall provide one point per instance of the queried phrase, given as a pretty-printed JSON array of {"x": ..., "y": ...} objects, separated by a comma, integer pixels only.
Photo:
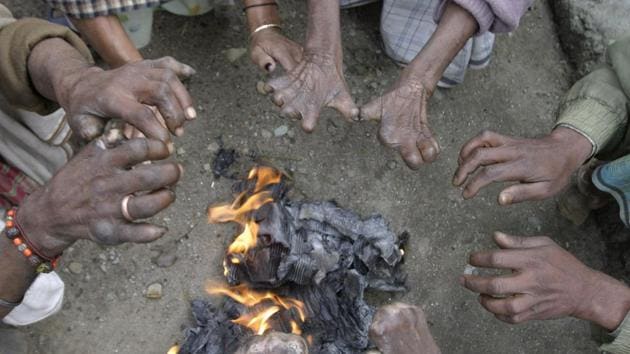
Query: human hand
[
  {"x": 404, "y": 122},
  {"x": 84, "y": 199},
  {"x": 90, "y": 96},
  {"x": 547, "y": 282},
  {"x": 541, "y": 167},
  {"x": 402, "y": 329},
  {"x": 269, "y": 47},
  {"x": 316, "y": 82}
]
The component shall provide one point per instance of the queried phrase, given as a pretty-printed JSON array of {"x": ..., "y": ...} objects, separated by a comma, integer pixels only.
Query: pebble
[
  {"x": 214, "y": 147},
  {"x": 154, "y": 291},
  {"x": 206, "y": 166},
  {"x": 181, "y": 151},
  {"x": 391, "y": 164},
  {"x": 75, "y": 267},
  {"x": 234, "y": 54},
  {"x": 265, "y": 134},
  {"x": 260, "y": 87},
  {"x": 166, "y": 259},
  {"x": 281, "y": 130}
]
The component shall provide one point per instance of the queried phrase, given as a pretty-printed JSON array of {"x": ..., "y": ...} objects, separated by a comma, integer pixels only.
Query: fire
[
  {"x": 271, "y": 304},
  {"x": 263, "y": 305},
  {"x": 174, "y": 349}
]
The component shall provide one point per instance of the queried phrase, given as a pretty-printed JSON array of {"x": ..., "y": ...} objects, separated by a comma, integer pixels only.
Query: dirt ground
[{"x": 105, "y": 309}]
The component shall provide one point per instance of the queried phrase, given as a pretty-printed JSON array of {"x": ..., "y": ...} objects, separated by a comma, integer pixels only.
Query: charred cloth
[{"x": 316, "y": 252}]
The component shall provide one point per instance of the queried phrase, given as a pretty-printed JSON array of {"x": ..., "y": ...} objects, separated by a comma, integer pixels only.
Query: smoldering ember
[{"x": 298, "y": 267}]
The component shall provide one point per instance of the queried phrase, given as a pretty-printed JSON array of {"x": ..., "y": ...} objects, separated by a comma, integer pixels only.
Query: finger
[
  {"x": 286, "y": 96},
  {"x": 141, "y": 117},
  {"x": 146, "y": 206},
  {"x": 135, "y": 151},
  {"x": 178, "y": 90},
  {"x": 140, "y": 232},
  {"x": 182, "y": 70},
  {"x": 506, "y": 241},
  {"x": 525, "y": 191},
  {"x": 263, "y": 60},
  {"x": 486, "y": 138},
  {"x": 478, "y": 157},
  {"x": 498, "y": 286},
  {"x": 344, "y": 103},
  {"x": 372, "y": 110},
  {"x": 88, "y": 127},
  {"x": 290, "y": 112},
  {"x": 507, "y": 306},
  {"x": 502, "y": 172},
  {"x": 310, "y": 116},
  {"x": 149, "y": 177},
  {"x": 161, "y": 96},
  {"x": 506, "y": 259},
  {"x": 429, "y": 148},
  {"x": 539, "y": 311},
  {"x": 411, "y": 155}
]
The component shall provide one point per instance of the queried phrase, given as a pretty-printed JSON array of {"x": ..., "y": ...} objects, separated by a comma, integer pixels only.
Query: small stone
[
  {"x": 206, "y": 167},
  {"x": 75, "y": 267},
  {"x": 391, "y": 164},
  {"x": 280, "y": 131},
  {"x": 260, "y": 87},
  {"x": 234, "y": 54},
  {"x": 166, "y": 259},
  {"x": 154, "y": 291},
  {"x": 265, "y": 134},
  {"x": 291, "y": 133},
  {"x": 214, "y": 147},
  {"x": 181, "y": 151}
]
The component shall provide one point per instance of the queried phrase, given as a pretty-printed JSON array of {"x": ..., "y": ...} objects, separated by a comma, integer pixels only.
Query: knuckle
[
  {"x": 495, "y": 286},
  {"x": 139, "y": 147},
  {"x": 512, "y": 307},
  {"x": 168, "y": 75},
  {"x": 486, "y": 134},
  {"x": 495, "y": 259},
  {"x": 104, "y": 232}
]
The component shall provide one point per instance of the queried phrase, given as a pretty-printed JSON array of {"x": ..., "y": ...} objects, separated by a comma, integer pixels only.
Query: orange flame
[
  {"x": 240, "y": 211},
  {"x": 258, "y": 321}
]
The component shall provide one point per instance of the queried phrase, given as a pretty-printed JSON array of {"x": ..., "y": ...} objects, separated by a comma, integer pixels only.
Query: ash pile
[{"x": 317, "y": 253}]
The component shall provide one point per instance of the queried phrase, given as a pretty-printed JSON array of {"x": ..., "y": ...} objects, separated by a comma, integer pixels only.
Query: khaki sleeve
[
  {"x": 596, "y": 107},
  {"x": 17, "y": 40},
  {"x": 621, "y": 342}
]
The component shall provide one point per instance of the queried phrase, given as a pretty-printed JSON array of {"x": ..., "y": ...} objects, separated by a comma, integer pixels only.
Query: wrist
[
  {"x": 577, "y": 147},
  {"x": 67, "y": 80},
  {"x": 609, "y": 304},
  {"x": 36, "y": 228}
]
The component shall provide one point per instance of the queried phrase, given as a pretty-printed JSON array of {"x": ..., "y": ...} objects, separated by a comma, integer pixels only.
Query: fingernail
[
  {"x": 191, "y": 113},
  {"x": 179, "y": 131},
  {"x": 171, "y": 147},
  {"x": 505, "y": 198},
  {"x": 181, "y": 170}
]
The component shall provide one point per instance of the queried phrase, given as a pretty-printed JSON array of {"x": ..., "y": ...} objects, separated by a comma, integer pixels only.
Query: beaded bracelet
[{"x": 14, "y": 232}]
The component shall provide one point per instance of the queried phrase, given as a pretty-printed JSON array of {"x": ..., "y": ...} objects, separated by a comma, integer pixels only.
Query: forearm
[
  {"x": 108, "y": 37},
  {"x": 51, "y": 63},
  {"x": 456, "y": 26},
  {"x": 323, "y": 33},
  {"x": 610, "y": 304}
]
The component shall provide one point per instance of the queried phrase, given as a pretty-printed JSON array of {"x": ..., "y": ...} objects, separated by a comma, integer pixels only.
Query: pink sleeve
[{"x": 492, "y": 15}]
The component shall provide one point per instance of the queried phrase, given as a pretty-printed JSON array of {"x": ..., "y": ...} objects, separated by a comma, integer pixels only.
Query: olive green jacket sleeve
[
  {"x": 597, "y": 105},
  {"x": 17, "y": 39}
]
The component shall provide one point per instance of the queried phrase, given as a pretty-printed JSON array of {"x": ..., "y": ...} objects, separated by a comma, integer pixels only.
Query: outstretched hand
[
  {"x": 91, "y": 96},
  {"x": 404, "y": 123},
  {"x": 541, "y": 167},
  {"x": 84, "y": 199},
  {"x": 546, "y": 282},
  {"x": 316, "y": 82}
]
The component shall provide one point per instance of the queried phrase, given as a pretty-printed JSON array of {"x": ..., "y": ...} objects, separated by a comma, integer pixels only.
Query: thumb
[
  {"x": 263, "y": 60},
  {"x": 345, "y": 105},
  {"x": 87, "y": 127},
  {"x": 372, "y": 110},
  {"x": 506, "y": 241}
]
